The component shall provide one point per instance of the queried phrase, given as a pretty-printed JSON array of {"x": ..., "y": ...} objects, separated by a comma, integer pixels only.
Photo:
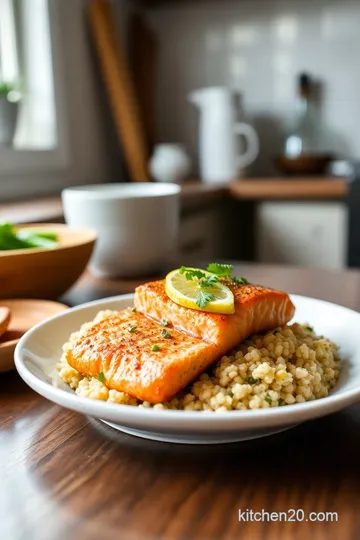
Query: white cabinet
[
  {"x": 302, "y": 233},
  {"x": 200, "y": 235}
]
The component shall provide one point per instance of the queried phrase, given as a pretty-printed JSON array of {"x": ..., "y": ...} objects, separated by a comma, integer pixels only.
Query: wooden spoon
[{"x": 5, "y": 317}]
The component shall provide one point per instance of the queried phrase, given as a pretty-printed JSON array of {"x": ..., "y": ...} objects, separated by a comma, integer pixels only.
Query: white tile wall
[{"x": 258, "y": 47}]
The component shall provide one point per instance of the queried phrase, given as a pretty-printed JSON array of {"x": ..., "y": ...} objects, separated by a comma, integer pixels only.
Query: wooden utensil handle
[{"x": 120, "y": 88}]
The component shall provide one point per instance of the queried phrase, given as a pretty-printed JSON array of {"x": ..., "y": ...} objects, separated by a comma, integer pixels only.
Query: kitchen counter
[
  {"x": 279, "y": 189},
  {"x": 195, "y": 193}
]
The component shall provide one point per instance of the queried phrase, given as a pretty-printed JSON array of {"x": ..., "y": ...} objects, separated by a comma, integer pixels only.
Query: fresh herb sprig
[
  {"x": 205, "y": 281},
  {"x": 222, "y": 270},
  {"x": 204, "y": 298},
  {"x": 225, "y": 271}
]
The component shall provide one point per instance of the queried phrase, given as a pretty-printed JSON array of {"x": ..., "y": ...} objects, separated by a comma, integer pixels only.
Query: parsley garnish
[
  {"x": 230, "y": 393},
  {"x": 133, "y": 309},
  {"x": 204, "y": 298},
  {"x": 223, "y": 270},
  {"x": 155, "y": 348},
  {"x": 132, "y": 328},
  {"x": 163, "y": 322},
  {"x": 251, "y": 380},
  {"x": 281, "y": 402},
  {"x": 191, "y": 273},
  {"x": 209, "y": 281},
  {"x": 239, "y": 280},
  {"x": 165, "y": 334},
  {"x": 268, "y": 399},
  {"x": 205, "y": 281},
  {"x": 309, "y": 328},
  {"x": 101, "y": 377}
]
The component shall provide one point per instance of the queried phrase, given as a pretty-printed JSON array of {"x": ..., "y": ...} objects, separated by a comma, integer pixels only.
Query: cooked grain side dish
[
  {"x": 157, "y": 349},
  {"x": 288, "y": 365}
]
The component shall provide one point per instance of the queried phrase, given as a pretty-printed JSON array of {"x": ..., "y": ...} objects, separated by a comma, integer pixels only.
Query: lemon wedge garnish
[{"x": 190, "y": 293}]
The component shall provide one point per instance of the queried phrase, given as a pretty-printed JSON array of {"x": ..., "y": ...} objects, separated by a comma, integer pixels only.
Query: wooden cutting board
[{"x": 120, "y": 88}]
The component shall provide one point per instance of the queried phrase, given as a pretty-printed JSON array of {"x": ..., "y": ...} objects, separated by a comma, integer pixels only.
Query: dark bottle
[
  {"x": 303, "y": 151},
  {"x": 302, "y": 139}
]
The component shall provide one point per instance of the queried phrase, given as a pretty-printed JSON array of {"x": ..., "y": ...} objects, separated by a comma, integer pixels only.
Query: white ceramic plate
[{"x": 39, "y": 350}]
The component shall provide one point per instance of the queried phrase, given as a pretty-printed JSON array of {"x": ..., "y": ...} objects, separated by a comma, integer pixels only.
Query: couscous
[{"x": 288, "y": 365}]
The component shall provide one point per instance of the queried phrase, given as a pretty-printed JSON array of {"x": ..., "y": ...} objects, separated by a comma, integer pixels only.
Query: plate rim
[{"x": 126, "y": 414}]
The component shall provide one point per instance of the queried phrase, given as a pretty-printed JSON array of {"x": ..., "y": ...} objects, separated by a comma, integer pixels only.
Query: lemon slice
[{"x": 187, "y": 293}]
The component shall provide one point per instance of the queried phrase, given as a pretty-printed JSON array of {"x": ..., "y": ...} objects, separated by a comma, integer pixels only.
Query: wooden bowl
[
  {"x": 305, "y": 165},
  {"x": 46, "y": 273},
  {"x": 24, "y": 315}
]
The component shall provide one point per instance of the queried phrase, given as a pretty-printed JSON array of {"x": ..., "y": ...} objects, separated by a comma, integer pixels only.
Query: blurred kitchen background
[{"x": 97, "y": 91}]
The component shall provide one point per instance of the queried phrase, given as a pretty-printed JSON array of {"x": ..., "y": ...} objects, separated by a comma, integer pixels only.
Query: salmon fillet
[
  {"x": 257, "y": 309},
  {"x": 130, "y": 365}
]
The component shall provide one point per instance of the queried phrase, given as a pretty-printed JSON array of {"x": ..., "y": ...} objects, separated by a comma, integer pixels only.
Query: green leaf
[
  {"x": 204, "y": 298},
  {"x": 25, "y": 238},
  {"x": 165, "y": 334},
  {"x": 133, "y": 309},
  {"x": 240, "y": 280},
  {"x": 9, "y": 239},
  {"x": 6, "y": 88},
  {"x": 192, "y": 273},
  {"x": 252, "y": 380},
  {"x": 281, "y": 402},
  {"x": 155, "y": 348},
  {"x": 101, "y": 377},
  {"x": 222, "y": 270},
  {"x": 132, "y": 328},
  {"x": 24, "y": 234},
  {"x": 268, "y": 399},
  {"x": 209, "y": 281},
  {"x": 309, "y": 328},
  {"x": 34, "y": 240},
  {"x": 230, "y": 393}
]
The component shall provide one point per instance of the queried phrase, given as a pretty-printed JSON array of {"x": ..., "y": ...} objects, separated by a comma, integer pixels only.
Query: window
[{"x": 27, "y": 60}]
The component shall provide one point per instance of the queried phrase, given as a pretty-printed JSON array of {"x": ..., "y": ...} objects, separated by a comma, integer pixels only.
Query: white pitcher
[{"x": 219, "y": 148}]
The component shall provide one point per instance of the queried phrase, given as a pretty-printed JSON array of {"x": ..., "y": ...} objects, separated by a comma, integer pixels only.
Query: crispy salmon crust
[
  {"x": 257, "y": 309},
  {"x": 130, "y": 365}
]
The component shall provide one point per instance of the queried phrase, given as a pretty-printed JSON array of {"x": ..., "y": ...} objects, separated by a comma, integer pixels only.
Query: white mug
[{"x": 137, "y": 225}]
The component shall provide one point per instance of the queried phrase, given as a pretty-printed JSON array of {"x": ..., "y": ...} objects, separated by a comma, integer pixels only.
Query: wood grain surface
[{"x": 68, "y": 477}]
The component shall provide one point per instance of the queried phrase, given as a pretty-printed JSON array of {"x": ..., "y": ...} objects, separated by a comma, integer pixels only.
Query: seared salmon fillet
[
  {"x": 257, "y": 309},
  {"x": 122, "y": 348}
]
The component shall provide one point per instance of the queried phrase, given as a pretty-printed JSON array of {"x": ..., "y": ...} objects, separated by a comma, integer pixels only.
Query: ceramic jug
[{"x": 219, "y": 147}]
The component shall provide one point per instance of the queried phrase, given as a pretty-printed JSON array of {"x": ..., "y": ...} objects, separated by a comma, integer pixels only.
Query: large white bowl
[
  {"x": 39, "y": 350},
  {"x": 137, "y": 225}
]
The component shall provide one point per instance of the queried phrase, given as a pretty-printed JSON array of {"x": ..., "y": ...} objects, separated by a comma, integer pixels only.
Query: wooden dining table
[{"x": 65, "y": 476}]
